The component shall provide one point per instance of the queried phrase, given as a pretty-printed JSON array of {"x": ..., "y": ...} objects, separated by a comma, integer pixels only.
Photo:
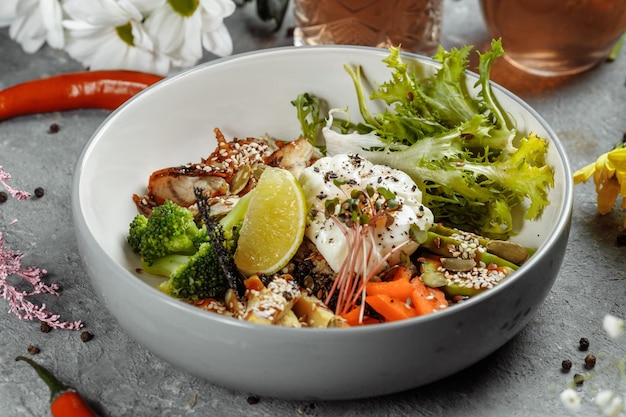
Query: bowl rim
[{"x": 562, "y": 223}]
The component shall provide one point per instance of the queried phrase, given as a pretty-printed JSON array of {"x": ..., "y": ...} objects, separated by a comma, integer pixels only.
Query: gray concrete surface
[{"x": 120, "y": 378}]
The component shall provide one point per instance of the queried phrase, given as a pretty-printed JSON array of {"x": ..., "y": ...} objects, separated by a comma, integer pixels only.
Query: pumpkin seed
[
  {"x": 240, "y": 179},
  {"x": 511, "y": 251},
  {"x": 458, "y": 264},
  {"x": 434, "y": 279}
]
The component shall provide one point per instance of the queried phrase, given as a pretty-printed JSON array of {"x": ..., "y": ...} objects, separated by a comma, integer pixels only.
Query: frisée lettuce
[{"x": 462, "y": 150}]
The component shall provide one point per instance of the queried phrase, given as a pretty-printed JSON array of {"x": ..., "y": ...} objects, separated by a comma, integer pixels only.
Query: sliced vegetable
[
  {"x": 392, "y": 309},
  {"x": 448, "y": 246},
  {"x": 425, "y": 299},
  {"x": 353, "y": 318},
  {"x": 463, "y": 283},
  {"x": 71, "y": 91},
  {"x": 399, "y": 288}
]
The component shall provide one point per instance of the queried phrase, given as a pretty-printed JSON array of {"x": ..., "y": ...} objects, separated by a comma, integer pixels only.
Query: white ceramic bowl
[{"x": 248, "y": 95}]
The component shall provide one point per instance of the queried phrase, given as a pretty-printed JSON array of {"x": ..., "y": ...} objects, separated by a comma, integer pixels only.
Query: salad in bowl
[
  {"x": 404, "y": 212},
  {"x": 356, "y": 215}
]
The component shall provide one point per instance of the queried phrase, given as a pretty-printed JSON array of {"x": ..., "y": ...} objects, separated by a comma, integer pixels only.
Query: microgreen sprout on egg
[{"x": 320, "y": 184}]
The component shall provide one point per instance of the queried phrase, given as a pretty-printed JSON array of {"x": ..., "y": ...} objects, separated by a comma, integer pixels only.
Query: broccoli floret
[
  {"x": 173, "y": 245},
  {"x": 136, "y": 231},
  {"x": 191, "y": 277},
  {"x": 170, "y": 229}
]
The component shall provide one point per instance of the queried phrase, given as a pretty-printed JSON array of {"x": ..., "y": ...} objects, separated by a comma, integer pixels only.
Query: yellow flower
[{"x": 609, "y": 175}]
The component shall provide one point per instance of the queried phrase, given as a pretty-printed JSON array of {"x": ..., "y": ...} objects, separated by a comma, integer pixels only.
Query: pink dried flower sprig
[
  {"x": 11, "y": 265},
  {"x": 5, "y": 177}
]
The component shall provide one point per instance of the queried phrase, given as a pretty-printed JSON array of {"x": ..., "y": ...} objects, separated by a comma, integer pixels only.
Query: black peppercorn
[
  {"x": 86, "y": 336},
  {"x": 54, "y": 128},
  {"x": 590, "y": 361},
  {"x": 252, "y": 399},
  {"x": 33, "y": 350},
  {"x": 39, "y": 192},
  {"x": 566, "y": 365},
  {"x": 583, "y": 344},
  {"x": 3, "y": 196},
  {"x": 44, "y": 327}
]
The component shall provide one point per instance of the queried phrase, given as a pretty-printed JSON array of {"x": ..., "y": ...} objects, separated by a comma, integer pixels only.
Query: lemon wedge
[{"x": 274, "y": 224}]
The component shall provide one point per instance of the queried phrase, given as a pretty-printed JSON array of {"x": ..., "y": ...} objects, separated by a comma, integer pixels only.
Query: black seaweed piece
[{"x": 217, "y": 239}]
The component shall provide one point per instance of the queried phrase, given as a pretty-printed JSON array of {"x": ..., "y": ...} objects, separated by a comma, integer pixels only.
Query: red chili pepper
[
  {"x": 64, "y": 400},
  {"x": 79, "y": 90}
]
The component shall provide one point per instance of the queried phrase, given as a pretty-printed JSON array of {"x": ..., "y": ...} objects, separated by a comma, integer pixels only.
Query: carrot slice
[
  {"x": 253, "y": 283},
  {"x": 425, "y": 299},
  {"x": 352, "y": 317},
  {"x": 390, "y": 308},
  {"x": 398, "y": 272},
  {"x": 400, "y": 288}
]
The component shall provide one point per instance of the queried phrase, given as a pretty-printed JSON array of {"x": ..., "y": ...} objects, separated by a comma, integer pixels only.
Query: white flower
[
  {"x": 34, "y": 23},
  {"x": 108, "y": 34},
  {"x": 613, "y": 326},
  {"x": 181, "y": 28},
  {"x": 609, "y": 403},
  {"x": 142, "y": 35},
  {"x": 571, "y": 399}
]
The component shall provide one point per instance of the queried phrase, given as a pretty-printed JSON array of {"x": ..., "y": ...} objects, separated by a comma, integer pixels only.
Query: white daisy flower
[
  {"x": 108, "y": 34},
  {"x": 181, "y": 28},
  {"x": 571, "y": 399},
  {"x": 34, "y": 23},
  {"x": 613, "y": 326}
]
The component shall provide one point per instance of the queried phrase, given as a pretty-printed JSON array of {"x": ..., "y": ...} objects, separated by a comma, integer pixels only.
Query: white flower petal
[
  {"x": 122, "y": 56},
  {"x": 141, "y": 38},
  {"x": 166, "y": 28},
  {"x": 83, "y": 44},
  {"x": 613, "y": 326},
  {"x": 52, "y": 15},
  {"x": 97, "y": 12},
  {"x": 130, "y": 9},
  {"x": 8, "y": 11},
  {"x": 27, "y": 28},
  {"x": 571, "y": 399},
  {"x": 218, "y": 9},
  {"x": 178, "y": 37},
  {"x": 183, "y": 38},
  {"x": 218, "y": 41},
  {"x": 78, "y": 26},
  {"x": 147, "y": 6},
  {"x": 190, "y": 51},
  {"x": 100, "y": 48}
]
